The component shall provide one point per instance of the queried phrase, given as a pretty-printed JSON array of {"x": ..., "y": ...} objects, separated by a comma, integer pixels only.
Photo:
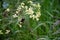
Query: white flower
[
  {"x": 30, "y": 2},
  {"x": 30, "y": 11},
  {"x": 7, "y": 31},
  {"x": 37, "y": 19},
  {"x": 26, "y": 7},
  {"x": 38, "y": 5},
  {"x": 17, "y": 12},
  {"x": 22, "y": 3},
  {"x": 8, "y": 9},
  {"x": 38, "y": 14},
  {"x": 22, "y": 6},
  {"x": 31, "y": 16},
  {"x": 14, "y": 16},
  {"x": 33, "y": 5},
  {"x": 1, "y": 32},
  {"x": 19, "y": 8},
  {"x": 20, "y": 25}
]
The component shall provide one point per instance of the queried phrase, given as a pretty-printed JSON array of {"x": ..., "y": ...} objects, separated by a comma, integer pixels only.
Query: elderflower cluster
[
  {"x": 31, "y": 11},
  {"x": 28, "y": 8}
]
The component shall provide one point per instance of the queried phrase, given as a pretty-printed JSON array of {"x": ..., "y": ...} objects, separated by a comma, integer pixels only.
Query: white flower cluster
[
  {"x": 28, "y": 8},
  {"x": 21, "y": 6},
  {"x": 34, "y": 11},
  {"x": 32, "y": 15}
]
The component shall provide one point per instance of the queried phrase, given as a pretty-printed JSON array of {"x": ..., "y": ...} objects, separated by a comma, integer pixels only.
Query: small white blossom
[
  {"x": 1, "y": 32},
  {"x": 7, "y": 31},
  {"x": 18, "y": 8},
  {"x": 14, "y": 16},
  {"x": 31, "y": 16},
  {"x": 20, "y": 22},
  {"x": 38, "y": 5},
  {"x": 30, "y": 2},
  {"x": 30, "y": 11},
  {"x": 38, "y": 14},
  {"x": 26, "y": 7},
  {"x": 22, "y": 6},
  {"x": 17, "y": 12},
  {"x": 37, "y": 19},
  {"x": 33, "y": 5},
  {"x": 22, "y": 3},
  {"x": 8, "y": 9},
  {"x": 20, "y": 25}
]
